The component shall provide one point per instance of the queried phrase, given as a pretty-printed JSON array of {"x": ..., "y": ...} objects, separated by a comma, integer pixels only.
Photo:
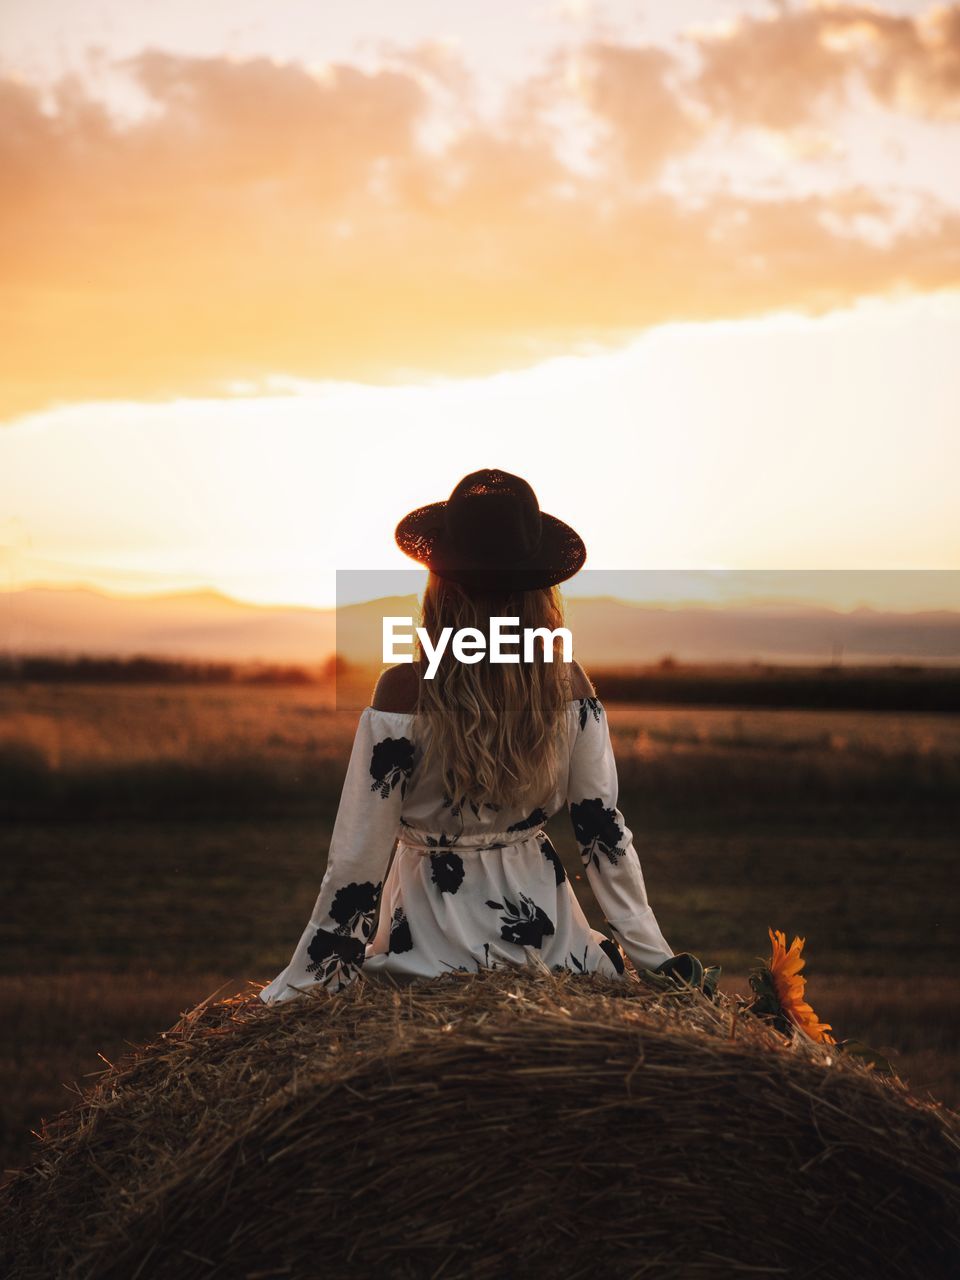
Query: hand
[{"x": 687, "y": 969}]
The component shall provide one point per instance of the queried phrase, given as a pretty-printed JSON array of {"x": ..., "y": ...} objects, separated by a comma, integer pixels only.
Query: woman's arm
[
  {"x": 606, "y": 843},
  {"x": 331, "y": 949}
]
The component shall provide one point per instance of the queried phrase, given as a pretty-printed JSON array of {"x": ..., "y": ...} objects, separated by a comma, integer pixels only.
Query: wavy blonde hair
[{"x": 493, "y": 728}]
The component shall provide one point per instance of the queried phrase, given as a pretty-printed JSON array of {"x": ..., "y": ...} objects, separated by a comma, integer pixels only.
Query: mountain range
[{"x": 206, "y": 625}]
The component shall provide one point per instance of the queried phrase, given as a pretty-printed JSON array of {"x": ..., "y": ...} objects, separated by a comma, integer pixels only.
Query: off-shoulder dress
[{"x": 469, "y": 886}]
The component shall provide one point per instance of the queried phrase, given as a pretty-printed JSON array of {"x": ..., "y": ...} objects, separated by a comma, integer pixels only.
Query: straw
[{"x": 509, "y": 1122}]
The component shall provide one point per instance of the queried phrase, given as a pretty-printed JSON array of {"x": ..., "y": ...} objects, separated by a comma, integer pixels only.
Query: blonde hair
[{"x": 493, "y": 728}]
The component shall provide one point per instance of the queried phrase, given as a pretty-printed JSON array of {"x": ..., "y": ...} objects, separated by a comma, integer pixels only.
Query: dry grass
[
  {"x": 745, "y": 758},
  {"x": 76, "y": 751},
  {"x": 484, "y": 1125},
  {"x": 913, "y": 1021},
  {"x": 60, "y": 1028},
  {"x": 79, "y": 726}
]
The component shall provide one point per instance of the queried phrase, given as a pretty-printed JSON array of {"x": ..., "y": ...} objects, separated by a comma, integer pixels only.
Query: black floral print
[
  {"x": 390, "y": 764},
  {"x": 400, "y": 937},
  {"x": 583, "y": 966},
  {"x": 614, "y": 952},
  {"x": 335, "y": 955},
  {"x": 439, "y": 841},
  {"x": 596, "y": 827},
  {"x": 456, "y": 807},
  {"x": 526, "y": 925},
  {"x": 487, "y": 962},
  {"x": 534, "y": 819},
  {"x": 550, "y": 853},
  {"x": 588, "y": 707},
  {"x": 446, "y": 871},
  {"x": 354, "y": 906},
  {"x": 477, "y": 966}
]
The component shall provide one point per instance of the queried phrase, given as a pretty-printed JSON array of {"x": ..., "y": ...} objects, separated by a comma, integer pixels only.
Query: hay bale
[{"x": 489, "y": 1125}]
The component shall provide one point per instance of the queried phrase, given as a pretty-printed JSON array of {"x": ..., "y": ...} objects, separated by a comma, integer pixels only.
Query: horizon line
[{"x": 691, "y": 602}]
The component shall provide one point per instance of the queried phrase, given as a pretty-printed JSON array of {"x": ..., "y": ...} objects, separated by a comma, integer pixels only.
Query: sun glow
[{"x": 697, "y": 447}]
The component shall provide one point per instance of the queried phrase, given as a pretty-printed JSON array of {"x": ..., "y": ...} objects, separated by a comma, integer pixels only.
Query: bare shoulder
[
  {"x": 580, "y": 683},
  {"x": 397, "y": 689}
]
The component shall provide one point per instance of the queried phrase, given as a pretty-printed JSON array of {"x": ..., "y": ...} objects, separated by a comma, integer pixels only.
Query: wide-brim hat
[{"x": 490, "y": 535}]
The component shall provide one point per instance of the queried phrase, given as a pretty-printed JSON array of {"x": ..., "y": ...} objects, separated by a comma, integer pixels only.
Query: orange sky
[{"x": 215, "y": 207}]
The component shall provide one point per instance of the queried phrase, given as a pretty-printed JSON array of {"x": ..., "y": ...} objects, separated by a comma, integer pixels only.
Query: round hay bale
[{"x": 489, "y": 1125}]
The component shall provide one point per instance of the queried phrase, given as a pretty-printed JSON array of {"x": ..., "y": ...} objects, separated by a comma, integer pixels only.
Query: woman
[{"x": 462, "y": 771}]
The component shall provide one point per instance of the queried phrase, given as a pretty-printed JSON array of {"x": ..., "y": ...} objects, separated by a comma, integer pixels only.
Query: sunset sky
[{"x": 274, "y": 273}]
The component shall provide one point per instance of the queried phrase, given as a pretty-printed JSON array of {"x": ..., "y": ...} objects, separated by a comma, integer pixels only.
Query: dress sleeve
[
  {"x": 332, "y": 947},
  {"x": 606, "y": 843}
]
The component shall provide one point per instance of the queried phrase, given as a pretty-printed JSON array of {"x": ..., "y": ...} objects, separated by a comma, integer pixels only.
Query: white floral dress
[{"x": 469, "y": 886}]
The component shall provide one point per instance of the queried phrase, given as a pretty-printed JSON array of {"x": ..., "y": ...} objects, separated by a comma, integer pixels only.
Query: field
[{"x": 162, "y": 841}]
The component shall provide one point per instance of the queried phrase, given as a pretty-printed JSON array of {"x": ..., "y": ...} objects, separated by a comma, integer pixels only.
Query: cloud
[
  {"x": 778, "y": 70},
  {"x": 633, "y": 91},
  {"x": 264, "y": 218}
]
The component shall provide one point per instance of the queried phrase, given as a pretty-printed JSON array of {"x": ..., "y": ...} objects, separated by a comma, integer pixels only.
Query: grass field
[{"x": 161, "y": 841}]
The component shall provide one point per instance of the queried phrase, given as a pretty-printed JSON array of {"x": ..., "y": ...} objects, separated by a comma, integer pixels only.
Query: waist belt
[{"x": 424, "y": 842}]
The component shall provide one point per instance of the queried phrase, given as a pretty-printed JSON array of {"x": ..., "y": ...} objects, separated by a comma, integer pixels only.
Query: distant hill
[
  {"x": 607, "y": 632},
  {"x": 194, "y": 624},
  {"x": 615, "y": 633}
]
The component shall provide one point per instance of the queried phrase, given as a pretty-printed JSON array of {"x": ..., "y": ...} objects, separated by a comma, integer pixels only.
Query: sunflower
[{"x": 779, "y": 990}]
